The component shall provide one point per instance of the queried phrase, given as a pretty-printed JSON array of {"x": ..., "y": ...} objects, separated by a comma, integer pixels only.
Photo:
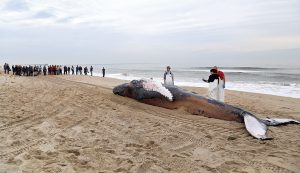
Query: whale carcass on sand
[{"x": 172, "y": 97}]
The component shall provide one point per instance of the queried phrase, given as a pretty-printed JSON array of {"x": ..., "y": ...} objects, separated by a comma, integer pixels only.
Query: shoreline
[
  {"x": 186, "y": 86},
  {"x": 253, "y": 90}
]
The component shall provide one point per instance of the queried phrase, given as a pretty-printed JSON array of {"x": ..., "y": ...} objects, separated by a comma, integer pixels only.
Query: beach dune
[{"x": 76, "y": 124}]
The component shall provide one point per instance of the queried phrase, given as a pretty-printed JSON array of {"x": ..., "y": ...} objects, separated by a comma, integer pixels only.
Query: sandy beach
[{"x": 76, "y": 124}]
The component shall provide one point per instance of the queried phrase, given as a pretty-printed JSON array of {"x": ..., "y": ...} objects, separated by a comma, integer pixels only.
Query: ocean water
[{"x": 274, "y": 81}]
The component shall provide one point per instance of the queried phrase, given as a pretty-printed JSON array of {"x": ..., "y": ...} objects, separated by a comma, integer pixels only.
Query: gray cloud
[
  {"x": 65, "y": 19},
  {"x": 16, "y": 5},
  {"x": 43, "y": 15},
  {"x": 182, "y": 32}
]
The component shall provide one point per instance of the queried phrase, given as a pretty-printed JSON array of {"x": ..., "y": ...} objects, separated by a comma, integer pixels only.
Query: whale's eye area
[{"x": 135, "y": 84}]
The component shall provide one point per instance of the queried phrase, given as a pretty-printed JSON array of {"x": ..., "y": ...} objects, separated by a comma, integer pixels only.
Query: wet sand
[{"x": 76, "y": 124}]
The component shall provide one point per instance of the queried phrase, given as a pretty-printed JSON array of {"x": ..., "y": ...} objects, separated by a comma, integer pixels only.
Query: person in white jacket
[
  {"x": 168, "y": 77},
  {"x": 214, "y": 85}
]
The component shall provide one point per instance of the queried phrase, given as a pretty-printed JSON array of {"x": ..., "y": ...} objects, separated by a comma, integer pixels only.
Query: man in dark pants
[
  {"x": 13, "y": 69},
  {"x": 5, "y": 68},
  {"x": 8, "y": 68},
  {"x": 45, "y": 70},
  {"x": 80, "y": 70},
  {"x": 26, "y": 71},
  {"x": 85, "y": 70},
  {"x": 103, "y": 72},
  {"x": 91, "y": 70},
  {"x": 18, "y": 69},
  {"x": 65, "y": 70}
]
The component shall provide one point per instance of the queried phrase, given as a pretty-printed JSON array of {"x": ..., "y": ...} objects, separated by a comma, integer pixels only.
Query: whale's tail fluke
[
  {"x": 258, "y": 127},
  {"x": 279, "y": 121}
]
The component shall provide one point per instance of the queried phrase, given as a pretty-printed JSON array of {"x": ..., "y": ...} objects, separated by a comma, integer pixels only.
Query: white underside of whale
[
  {"x": 151, "y": 85},
  {"x": 256, "y": 128}
]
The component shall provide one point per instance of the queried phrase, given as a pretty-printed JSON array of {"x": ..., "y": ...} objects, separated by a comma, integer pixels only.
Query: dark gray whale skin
[
  {"x": 191, "y": 102},
  {"x": 200, "y": 105}
]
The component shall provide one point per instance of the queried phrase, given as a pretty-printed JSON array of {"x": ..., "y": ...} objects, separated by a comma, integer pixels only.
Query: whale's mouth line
[{"x": 121, "y": 89}]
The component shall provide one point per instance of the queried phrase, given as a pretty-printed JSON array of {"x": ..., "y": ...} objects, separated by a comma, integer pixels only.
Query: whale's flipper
[
  {"x": 279, "y": 121},
  {"x": 255, "y": 127}
]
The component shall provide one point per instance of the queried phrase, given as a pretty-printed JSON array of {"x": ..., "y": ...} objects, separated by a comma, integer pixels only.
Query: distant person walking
[
  {"x": 85, "y": 70},
  {"x": 168, "y": 77},
  {"x": 103, "y": 72},
  {"x": 72, "y": 69},
  {"x": 91, "y": 70}
]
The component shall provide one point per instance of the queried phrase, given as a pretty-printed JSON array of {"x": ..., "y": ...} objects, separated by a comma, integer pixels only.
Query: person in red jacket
[
  {"x": 221, "y": 84},
  {"x": 221, "y": 75}
]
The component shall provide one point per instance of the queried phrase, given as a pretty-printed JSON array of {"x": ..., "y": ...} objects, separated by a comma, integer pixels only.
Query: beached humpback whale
[{"x": 173, "y": 97}]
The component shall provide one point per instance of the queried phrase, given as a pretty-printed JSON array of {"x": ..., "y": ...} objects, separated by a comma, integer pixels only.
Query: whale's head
[
  {"x": 128, "y": 89},
  {"x": 121, "y": 90},
  {"x": 142, "y": 89}
]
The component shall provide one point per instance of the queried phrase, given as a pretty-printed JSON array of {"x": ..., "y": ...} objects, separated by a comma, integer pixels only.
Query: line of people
[
  {"x": 67, "y": 70},
  {"x": 24, "y": 70},
  {"x": 49, "y": 70}
]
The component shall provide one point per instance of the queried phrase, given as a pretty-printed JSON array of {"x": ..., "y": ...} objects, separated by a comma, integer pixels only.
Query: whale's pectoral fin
[
  {"x": 279, "y": 121},
  {"x": 255, "y": 127}
]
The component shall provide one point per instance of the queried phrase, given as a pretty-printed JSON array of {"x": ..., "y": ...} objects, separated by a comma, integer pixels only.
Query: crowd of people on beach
[
  {"x": 23, "y": 70},
  {"x": 30, "y": 70}
]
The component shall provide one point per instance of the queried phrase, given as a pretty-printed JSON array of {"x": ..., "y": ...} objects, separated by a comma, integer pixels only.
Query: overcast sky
[{"x": 173, "y": 32}]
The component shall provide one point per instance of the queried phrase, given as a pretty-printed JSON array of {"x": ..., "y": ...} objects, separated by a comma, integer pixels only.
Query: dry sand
[{"x": 76, "y": 124}]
